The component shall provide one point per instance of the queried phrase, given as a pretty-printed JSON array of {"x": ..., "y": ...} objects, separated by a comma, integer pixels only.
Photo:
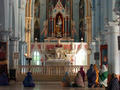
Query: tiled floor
[{"x": 43, "y": 86}]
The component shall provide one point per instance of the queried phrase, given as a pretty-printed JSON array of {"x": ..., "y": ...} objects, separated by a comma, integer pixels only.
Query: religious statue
[
  {"x": 59, "y": 27},
  {"x": 59, "y": 21},
  {"x": 58, "y": 53},
  {"x": 45, "y": 29}
]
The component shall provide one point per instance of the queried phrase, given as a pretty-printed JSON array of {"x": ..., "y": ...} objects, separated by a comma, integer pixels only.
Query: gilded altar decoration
[{"x": 58, "y": 25}]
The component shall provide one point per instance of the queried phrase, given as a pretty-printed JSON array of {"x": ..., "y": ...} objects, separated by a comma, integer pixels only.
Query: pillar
[
  {"x": 65, "y": 27},
  {"x": 113, "y": 52},
  {"x": 113, "y": 33},
  {"x": 52, "y": 26},
  {"x": 68, "y": 33}
]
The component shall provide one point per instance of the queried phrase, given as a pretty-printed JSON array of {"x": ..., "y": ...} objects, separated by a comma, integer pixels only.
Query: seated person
[
  {"x": 66, "y": 80},
  {"x": 28, "y": 81},
  {"x": 91, "y": 76},
  {"x": 103, "y": 75},
  {"x": 82, "y": 72},
  {"x": 78, "y": 82},
  {"x": 97, "y": 75},
  {"x": 114, "y": 83},
  {"x": 3, "y": 79}
]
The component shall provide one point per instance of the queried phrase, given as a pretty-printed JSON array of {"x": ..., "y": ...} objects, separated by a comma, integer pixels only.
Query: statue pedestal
[{"x": 63, "y": 39}]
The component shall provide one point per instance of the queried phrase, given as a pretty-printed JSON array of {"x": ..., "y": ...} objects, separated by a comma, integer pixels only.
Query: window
[
  {"x": 36, "y": 58},
  {"x": 81, "y": 57}
]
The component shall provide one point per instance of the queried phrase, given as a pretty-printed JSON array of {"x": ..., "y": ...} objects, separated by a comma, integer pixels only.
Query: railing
[{"x": 49, "y": 71}]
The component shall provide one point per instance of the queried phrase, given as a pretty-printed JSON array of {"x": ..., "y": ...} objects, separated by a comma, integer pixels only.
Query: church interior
[{"x": 47, "y": 39}]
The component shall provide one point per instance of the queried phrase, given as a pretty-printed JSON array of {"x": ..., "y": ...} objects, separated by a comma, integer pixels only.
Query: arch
[
  {"x": 37, "y": 19},
  {"x": 82, "y": 20}
]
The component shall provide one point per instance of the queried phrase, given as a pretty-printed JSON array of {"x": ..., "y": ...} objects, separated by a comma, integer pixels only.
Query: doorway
[{"x": 103, "y": 53}]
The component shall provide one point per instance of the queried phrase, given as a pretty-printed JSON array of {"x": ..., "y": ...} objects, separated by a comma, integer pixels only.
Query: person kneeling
[
  {"x": 103, "y": 75},
  {"x": 66, "y": 80},
  {"x": 78, "y": 82},
  {"x": 91, "y": 76},
  {"x": 28, "y": 81}
]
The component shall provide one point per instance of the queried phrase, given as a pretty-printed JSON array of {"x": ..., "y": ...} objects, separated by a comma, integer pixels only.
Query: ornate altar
[
  {"x": 59, "y": 30},
  {"x": 59, "y": 24},
  {"x": 58, "y": 56},
  {"x": 64, "y": 53}
]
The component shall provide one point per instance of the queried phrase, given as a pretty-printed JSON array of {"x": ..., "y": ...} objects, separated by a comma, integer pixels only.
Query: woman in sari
[
  {"x": 66, "y": 80},
  {"x": 97, "y": 74},
  {"x": 82, "y": 73},
  {"x": 103, "y": 76},
  {"x": 91, "y": 76},
  {"x": 78, "y": 82},
  {"x": 28, "y": 81}
]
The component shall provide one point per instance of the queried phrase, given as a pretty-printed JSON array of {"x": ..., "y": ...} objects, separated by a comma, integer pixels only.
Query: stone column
[
  {"x": 68, "y": 33},
  {"x": 113, "y": 52},
  {"x": 63, "y": 27},
  {"x": 52, "y": 27}
]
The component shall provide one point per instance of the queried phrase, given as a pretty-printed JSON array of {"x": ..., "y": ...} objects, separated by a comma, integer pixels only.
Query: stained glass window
[{"x": 36, "y": 58}]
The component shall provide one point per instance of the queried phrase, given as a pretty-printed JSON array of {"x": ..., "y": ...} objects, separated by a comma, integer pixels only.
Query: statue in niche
[
  {"x": 59, "y": 21},
  {"x": 59, "y": 27}
]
